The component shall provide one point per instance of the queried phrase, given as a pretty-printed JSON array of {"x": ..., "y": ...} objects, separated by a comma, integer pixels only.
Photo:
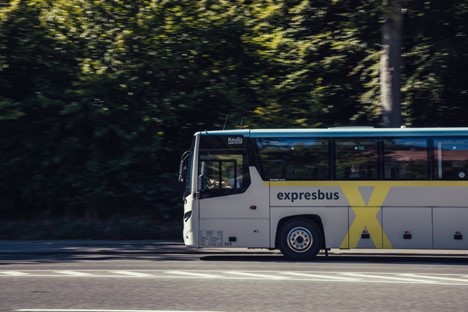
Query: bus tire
[{"x": 300, "y": 239}]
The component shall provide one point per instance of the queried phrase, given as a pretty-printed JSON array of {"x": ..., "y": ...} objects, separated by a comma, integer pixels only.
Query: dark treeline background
[{"x": 98, "y": 98}]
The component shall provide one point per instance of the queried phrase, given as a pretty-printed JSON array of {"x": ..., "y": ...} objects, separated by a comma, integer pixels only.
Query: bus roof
[{"x": 341, "y": 132}]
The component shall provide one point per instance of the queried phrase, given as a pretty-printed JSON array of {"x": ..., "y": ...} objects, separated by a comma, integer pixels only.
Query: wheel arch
[{"x": 311, "y": 217}]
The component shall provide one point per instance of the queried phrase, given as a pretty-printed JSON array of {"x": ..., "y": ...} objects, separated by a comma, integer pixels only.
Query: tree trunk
[{"x": 390, "y": 66}]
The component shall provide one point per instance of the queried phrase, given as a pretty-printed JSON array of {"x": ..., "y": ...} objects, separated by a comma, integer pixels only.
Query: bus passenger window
[
  {"x": 451, "y": 159},
  {"x": 356, "y": 159},
  {"x": 406, "y": 159},
  {"x": 294, "y": 158}
]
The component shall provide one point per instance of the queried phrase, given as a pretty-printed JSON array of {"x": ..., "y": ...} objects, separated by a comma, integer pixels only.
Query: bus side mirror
[
  {"x": 181, "y": 173},
  {"x": 183, "y": 167},
  {"x": 201, "y": 183}
]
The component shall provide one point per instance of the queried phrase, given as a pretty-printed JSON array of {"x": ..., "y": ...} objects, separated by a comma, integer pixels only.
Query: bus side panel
[
  {"x": 427, "y": 215},
  {"x": 306, "y": 198},
  {"x": 238, "y": 220},
  {"x": 450, "y": 227},
  {"x": 427, "y": 194},
  {"x": 408, "y": 227},
  {"x": 249, "y": 233},
  {"x": 334, "y": 221},
  {"x": 253, "y": 203},
  {"x": 365, "y": 228}
]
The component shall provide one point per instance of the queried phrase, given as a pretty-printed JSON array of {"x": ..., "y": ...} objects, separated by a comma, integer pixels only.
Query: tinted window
[
  {"x": 356, "y": 159},
  {"x": 451, "y": 159},
  {"x": 294, "y": 158},
  {"x": 405, "y": 159}
]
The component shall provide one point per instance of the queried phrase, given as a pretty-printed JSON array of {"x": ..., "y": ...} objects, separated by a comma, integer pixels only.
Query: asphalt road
[{"x": 164, "y": 276}]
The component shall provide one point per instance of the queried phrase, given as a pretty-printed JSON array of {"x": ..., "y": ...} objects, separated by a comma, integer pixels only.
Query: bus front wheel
[{"x": 300, "y": 239}]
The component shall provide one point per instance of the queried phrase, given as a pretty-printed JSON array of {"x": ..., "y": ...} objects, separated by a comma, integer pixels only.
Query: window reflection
[
  {"x": 294, "y": 158},
  {"x": 356, "y": 159},
  {"x": 406, "y": 159},
  {"x": 451, "y": 159}
]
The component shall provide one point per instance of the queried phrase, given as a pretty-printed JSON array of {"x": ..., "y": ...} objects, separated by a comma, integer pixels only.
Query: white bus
[{"x": 306, "y": 190}]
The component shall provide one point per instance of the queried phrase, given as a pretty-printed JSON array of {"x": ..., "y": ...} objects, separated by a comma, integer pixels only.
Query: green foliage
[
  {"x": 99, "y": 98},
  {"x": 436, "y": 54}
]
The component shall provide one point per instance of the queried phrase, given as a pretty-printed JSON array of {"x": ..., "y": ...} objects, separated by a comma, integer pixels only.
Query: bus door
[{"x": 232, "y": 211}]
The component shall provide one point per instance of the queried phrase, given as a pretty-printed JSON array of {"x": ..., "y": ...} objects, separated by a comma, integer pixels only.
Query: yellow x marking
[{"x": 366, "y": 215}]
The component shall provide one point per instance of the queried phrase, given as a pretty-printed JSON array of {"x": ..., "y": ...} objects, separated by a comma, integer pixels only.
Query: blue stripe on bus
[{"x": 342, "y": 132}]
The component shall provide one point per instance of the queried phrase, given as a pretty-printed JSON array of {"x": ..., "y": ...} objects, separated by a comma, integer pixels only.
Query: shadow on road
[
  {"x": 64, "y": 258},
  {"x": 375, "y": 258},
  {"x": 228, "y": 257},
  {"x": 55, "y": 252},
  {"x": 41, "y": 252}
]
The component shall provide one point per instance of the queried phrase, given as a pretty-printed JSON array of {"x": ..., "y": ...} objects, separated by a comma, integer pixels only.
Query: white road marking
[
  {"x": 101, "y": 310},
  {"x": 193, "y": 274},
  {"x": 440, "y": 278},
  {"x": 321, "y": 277},
  {"x": 14, "y": 273},
  {"x": 74, "y": 273},
  {"x": 255, "y": 275},
  {"x": 389, "y": 278},
  {"x": 293, "y": 276},
  {"x": 132, "y": 273}
]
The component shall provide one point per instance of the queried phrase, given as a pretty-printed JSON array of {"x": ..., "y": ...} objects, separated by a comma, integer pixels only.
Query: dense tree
[
  {"x": 435, "y": 55},
  {"x": 99, "y": 98}
]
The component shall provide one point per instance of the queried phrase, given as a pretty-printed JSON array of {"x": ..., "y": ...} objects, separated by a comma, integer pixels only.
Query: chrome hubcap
[{"x": 300, "y": 239}]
